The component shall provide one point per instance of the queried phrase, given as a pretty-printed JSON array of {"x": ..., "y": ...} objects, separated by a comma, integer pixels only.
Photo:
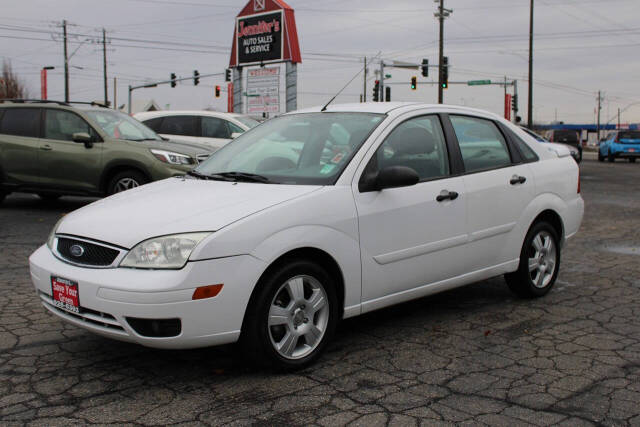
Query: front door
[
  {"x": 411, "y": 236},
  {"x": 65, "y": 164}
]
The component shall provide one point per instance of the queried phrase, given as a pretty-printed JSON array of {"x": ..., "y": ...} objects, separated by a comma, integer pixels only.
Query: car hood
[{"x": 174, "y": 205}]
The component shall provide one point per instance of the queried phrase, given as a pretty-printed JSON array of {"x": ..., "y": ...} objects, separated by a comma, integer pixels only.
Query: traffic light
[
  {"x": 445, "y": 72},
  {"x": 387, "y": 90},
  {"x": 376, "y": 91},
  {"x": 217, "y": 91},
  {"x": 173, "y": 79},
  {"x": 425, "y": 67},
  {"x": 196, "y": 77},
  {"x": 514, "y": 103},
  {"x": 414, "y": 83},
  {"x": 227, "y": 75}
]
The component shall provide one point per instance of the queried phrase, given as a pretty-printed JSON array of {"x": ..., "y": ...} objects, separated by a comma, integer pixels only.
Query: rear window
[
  {"x": 21, "y": 122},
  {"x": 565, "y": 136},
  {"x": 629, "y": 134}
]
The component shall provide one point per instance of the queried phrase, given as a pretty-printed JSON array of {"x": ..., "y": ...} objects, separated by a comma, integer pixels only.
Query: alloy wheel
[
  {"x": 124, "y": 184},
  {"x": 542, "y": 259},
  {"x": 298, "y": 317}
]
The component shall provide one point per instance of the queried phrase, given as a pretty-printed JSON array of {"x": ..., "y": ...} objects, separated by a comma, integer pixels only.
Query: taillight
[{"x": 578, "y": 181}]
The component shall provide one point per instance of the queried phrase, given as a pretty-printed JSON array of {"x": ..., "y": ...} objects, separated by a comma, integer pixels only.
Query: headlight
[
  {"x": 170, "y": 252},
  {"x": 172, "y": 158},
  {"x": 52, "y": 235}
]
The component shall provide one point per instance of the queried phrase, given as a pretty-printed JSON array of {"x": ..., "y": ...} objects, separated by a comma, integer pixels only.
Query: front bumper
[{"x": 107, "y": 297}]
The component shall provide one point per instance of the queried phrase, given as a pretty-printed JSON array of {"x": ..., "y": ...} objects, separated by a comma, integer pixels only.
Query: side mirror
[
  {"x": 83, "y": 138},
  {"x": 234, "y": 135},
  {"x": 390, "y": 177}
]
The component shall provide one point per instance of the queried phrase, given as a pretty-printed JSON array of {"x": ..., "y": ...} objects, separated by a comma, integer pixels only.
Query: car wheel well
[
  {"x": 312, "y": 254},
  {"x": 108, "y": 176},
  {"x": 552, "y": 218}
]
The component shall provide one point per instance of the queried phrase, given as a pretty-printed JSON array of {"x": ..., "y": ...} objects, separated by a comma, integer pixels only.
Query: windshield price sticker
[{"x": 65, "y": 294}]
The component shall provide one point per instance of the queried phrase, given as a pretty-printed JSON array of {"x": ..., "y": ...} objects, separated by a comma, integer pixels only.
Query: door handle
[
  {"x": 446, "y": 194},
  {"x": 517, "y": 179},
  {"x": 46, "y": 147}
]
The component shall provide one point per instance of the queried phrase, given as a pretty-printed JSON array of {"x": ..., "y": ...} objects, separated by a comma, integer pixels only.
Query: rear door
[
  {"x": 498, "y": 186},
  {"x": 181, "y": 127},
  {"x": 216, "y": 131},
  {"x": 65, "y": 164},
  {"x": 19, "y": 145}
]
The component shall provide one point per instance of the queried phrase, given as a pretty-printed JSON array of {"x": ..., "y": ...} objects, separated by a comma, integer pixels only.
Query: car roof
[{"x": 164, "y": 113}]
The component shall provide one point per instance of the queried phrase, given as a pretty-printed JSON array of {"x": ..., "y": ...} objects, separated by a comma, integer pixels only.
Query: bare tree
[{"x": 10, "y": 85}]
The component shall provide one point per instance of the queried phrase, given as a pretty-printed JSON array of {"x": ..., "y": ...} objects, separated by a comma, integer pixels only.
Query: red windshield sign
[{"x": 259, "y": 38}]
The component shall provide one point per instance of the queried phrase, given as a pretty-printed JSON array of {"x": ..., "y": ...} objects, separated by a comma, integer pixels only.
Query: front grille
[
  {"x": 202, "y": 157},
  {"x": 90, "y": 253}
]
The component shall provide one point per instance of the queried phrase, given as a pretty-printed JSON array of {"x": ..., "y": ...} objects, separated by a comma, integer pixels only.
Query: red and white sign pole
[
  {"x": 230, "y": 97},
  {"x": 507, "y": 106},
  {"x": 43, "y": 83}
]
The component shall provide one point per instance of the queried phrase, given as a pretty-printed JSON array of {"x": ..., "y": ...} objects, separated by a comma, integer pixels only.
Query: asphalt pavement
[{"x": 472, "y": 355}]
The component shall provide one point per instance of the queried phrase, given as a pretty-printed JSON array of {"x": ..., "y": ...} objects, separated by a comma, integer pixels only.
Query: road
[{"x": 475, "y": 354}]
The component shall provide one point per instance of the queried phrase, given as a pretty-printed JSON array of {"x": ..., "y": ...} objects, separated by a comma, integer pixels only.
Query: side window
[
  {"x": 528, "y": 155},
  {"x": 481, "y": 143},
  {"x": 61, "y": 125},
  {"x": 21, "y": 122},
  {"x": 180, "y": 125},
  {"x": 154, "y": 124},
  {"x": 418, "y": 144},
  {"x": 235, "y": 129},
  {"x": 213, "y": 127}
]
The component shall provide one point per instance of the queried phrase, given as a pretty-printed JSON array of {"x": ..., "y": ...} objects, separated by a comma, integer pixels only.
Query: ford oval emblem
[{"x": 76, "y": 250}]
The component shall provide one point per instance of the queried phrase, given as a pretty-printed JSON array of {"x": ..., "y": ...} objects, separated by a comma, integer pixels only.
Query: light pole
[
  {"x": 43, "y": 81},
  {"x": 530, "y": 104}
]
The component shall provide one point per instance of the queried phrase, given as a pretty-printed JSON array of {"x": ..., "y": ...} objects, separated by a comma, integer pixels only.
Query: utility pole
[
  {"x": 104, "y": 66},
  {"x": 66, "y": 62},
  {"x": 115, "y": 94},
  {"x": 364, "y": 91},
  {"x": 530, "y": 102},
  {"x": 598, "y": 112},
  {"x": 440, "y": 16},
  {"x": 618, "y": 118}
]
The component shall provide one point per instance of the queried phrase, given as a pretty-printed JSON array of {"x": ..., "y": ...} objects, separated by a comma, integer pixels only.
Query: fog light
[
  {"x": 156, "y": 328},
  {"x": 207, "y": 291}
]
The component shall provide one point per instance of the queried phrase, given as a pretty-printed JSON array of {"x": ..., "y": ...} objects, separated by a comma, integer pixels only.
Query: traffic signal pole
[{"x": 164, "y": 82}]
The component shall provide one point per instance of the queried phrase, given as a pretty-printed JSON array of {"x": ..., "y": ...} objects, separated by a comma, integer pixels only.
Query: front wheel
[
  {"x": 539, "y": 263},
  {"x": 292, "y": 317},
  {"x": 125, "y": 180}
]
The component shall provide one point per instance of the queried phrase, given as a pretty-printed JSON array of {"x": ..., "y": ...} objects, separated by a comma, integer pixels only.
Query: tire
[
  {"x": 632, "y": 159},
  {"x": 125, "y": 180},
  {"x": 610, "y": 157},
  {"x": 600, "y": 157},
  {"x": 540, "y": 249},
  {"x": 49, "y": 197},
  {"x": 300, "y": 300}
]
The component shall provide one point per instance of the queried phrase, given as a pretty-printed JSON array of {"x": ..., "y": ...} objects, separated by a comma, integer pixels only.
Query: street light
[{"x": 43, "y": 81}]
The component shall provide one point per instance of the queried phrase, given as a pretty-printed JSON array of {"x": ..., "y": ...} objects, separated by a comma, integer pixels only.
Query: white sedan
[{"x": 310, "y": 218}]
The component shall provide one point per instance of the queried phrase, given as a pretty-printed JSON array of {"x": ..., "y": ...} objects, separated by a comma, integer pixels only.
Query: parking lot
[{"x": 475, "y": 354}]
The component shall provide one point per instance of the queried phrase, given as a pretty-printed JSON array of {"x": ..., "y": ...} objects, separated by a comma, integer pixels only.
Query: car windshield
[
  {"x": 247, "y": 121},
  {"x": 121, "y": 126},
  {"x": 310, "y": 149},
  {"x": 629, "y": 134}
]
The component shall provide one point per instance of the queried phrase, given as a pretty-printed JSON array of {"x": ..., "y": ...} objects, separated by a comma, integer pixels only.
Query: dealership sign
[
  {"x": 265, "y": 32},
  {"x": 263, "y": 90}
]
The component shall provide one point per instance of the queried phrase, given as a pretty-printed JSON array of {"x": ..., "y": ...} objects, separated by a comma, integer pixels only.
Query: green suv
[{"x": 52, "y": 149}]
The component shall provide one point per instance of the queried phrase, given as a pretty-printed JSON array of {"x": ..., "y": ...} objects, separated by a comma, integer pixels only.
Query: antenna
[{"x": 340, "y": 91}]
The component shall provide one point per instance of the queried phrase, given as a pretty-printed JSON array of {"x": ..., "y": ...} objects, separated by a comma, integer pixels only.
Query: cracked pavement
[{"x": 472, "y": 355}]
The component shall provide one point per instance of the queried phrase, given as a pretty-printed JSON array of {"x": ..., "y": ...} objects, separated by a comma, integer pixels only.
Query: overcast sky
[{"x": 580, "y": 47}]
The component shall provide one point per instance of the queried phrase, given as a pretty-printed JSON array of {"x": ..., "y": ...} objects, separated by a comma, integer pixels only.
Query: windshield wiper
[
  {"x": 245, "y": 176},
  {"x": 198, "y": 175}
]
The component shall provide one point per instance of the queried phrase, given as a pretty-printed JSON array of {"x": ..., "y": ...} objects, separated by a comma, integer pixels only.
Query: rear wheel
[
  {"x": 539, "y": 262},
  {"x": 125, "y": 180},
  {"x": 292, "y": 317}
]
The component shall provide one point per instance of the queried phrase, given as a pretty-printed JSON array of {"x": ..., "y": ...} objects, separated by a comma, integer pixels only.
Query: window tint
[
  {"x": 525, "y": 151},
  {"x": 153, "y": 123},
  {"x": 61, "y": 125},
  {"x": 213, "y": 127},
  {"x": 180, "y": 125},
  {"x": 481, "y": 144},
  {"x": 629, "y": 134},
  {"x": 418, "y": 144},
  {"x": 21, "y": 122},
  {"x": 234, "y": 128}
]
